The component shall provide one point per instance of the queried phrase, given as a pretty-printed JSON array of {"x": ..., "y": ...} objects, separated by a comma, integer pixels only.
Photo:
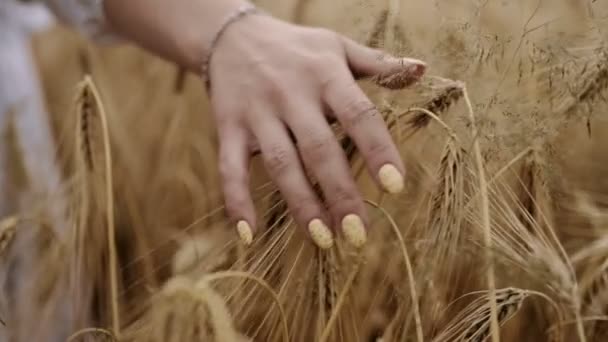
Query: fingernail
[
  {"x": 391, "y": 179},
  {"x": 415, "y": 67},
  {"x": 320, "y": 234},
  {"x": 412, "y": 61},
  {"x": 354, "y": 230},
  {"x": 407, "y": 62},
  {"x": 409, "y": 72},
  {"x": 245, "y": 232}
]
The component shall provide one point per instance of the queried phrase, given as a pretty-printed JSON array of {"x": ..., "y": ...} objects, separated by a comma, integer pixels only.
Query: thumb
[{"x": 387, "y": 71}]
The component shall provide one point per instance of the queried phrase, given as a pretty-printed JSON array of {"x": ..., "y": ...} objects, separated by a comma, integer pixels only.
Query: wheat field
[{"x": 500, "y": 235}]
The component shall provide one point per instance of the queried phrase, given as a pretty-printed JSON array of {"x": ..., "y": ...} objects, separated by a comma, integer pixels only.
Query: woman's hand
[{"x": 271, "y": 80}]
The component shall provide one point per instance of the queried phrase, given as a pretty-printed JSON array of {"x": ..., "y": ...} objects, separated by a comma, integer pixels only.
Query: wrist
[
  {"x": 198, "y": 41},
  {"x": 235, "y": 18},
  {"x": 179, "y": 30}
]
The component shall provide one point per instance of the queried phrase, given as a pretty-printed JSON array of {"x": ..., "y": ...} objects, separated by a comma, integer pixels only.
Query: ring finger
[
  {"x": 284, "y": 167},
  {"x": 325, "y": 158}
]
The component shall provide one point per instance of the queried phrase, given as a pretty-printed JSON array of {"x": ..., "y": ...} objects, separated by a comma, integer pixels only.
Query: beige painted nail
[
  {"x": 404, "y": 61},
  {"x": 320, "y": 234},
  {"x": 391, "y": 179},
  {"x": 412, "y": 61},
  {"x": 245, "y": 232},
  {"x": 354, "y": 230}
]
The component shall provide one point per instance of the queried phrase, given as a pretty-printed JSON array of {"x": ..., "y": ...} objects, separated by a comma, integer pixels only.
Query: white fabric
[
  {"x": 21, "y": 94},
  {"x": 17, "y": 22},
  {"x": 22, "y": 104},
  {"x": 85, "y": 15},
  {"x": 22, "y": 107}
]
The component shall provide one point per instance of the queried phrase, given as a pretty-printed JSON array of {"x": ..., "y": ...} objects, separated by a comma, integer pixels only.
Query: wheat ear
[{"x": 89, "y": 95}]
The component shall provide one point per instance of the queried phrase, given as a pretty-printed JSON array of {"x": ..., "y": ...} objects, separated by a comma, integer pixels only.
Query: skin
[{"x": 287, "y": 78}]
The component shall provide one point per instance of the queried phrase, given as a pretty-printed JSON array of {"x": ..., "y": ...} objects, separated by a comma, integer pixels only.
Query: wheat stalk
[
  {"x": 485, "y": 213},
  {"x": 339, "y": 303},
  {"x": 87, "y": 99},
  {"x": 92, "y": 331},
  {"x": 409, "y": 270}
]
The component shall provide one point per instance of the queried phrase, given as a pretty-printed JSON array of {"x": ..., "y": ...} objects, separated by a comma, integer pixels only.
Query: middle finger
[{"x": 325, "y": 158}]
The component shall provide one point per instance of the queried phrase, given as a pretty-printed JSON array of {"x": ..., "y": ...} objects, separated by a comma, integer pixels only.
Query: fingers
[
  {"x": 234, "y": 171},
  {"x": 324, "y": 157},
  {"x": 364, "y": 124},
  {"x": 283, "y": 165},
  {"x": 388, "y": 71},
  {"x": 270, "y": 76}
]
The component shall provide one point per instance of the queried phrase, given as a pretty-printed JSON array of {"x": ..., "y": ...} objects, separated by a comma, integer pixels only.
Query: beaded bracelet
[{"x": 239, "y": 13}]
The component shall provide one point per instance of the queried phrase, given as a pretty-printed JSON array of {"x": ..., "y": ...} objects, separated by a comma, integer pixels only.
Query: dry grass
[{"x": 499, "y": 236}]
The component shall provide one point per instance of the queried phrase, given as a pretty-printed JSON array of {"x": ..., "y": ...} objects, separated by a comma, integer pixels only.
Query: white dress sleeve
[
  {"x": 22, "y": 108},
  {"x": 87, "y": 16}
]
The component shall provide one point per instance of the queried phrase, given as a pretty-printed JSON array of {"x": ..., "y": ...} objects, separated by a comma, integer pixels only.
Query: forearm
[{"x": 178, "y": 30}]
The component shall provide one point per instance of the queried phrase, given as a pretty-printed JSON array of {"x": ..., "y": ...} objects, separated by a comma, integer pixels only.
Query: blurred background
[{"x": 535, "y": 72}]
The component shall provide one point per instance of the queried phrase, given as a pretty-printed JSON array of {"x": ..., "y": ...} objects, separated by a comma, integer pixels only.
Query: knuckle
[
  {"x": 234, "y": 204},
  {"x": 356, "y": 112},
  {"x": 315, "y": 147},
  {"x": 322, "y": 67},
  {"x": 277, "y": 159},
  {"x": 305, "y": 208},
  {"x": 333, "y": 39},
  {"x": 227, "y": 119},
  {"x": 271, "y": 87},
  {"x": 235, "y": 192},
  {"x": 327, "y": 50},
  {"x": 253, "y": 147},
  {"x": 343, "y": 198},
  {"x": 330, "y": 80},
  {"x": 259, "y": 66},
  {"x": 315, "y": 65},
  {"x": 379, "y": 149},
  {"x": 231, "y": 173},
  {"x": 325, "y": 33},
  {"x": 269, "y": 82},
  {"x": 226, "y": 169}
]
